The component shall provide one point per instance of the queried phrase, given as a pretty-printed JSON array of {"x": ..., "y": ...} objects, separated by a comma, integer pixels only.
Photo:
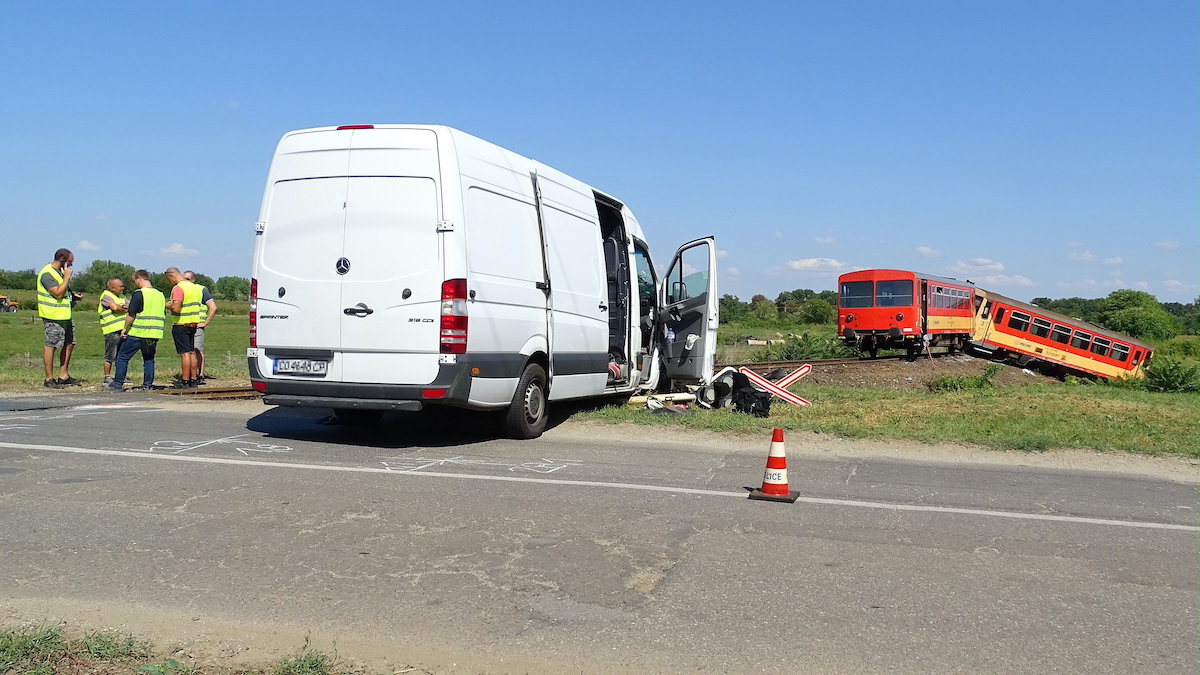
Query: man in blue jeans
[{"x": 147, "y": 313}]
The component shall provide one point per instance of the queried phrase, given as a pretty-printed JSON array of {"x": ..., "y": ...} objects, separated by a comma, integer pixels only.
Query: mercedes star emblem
[{"x": 343, "y": 265}]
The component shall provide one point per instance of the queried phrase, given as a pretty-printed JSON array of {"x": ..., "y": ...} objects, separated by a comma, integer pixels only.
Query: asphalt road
[{"x": 426, "y": 540}]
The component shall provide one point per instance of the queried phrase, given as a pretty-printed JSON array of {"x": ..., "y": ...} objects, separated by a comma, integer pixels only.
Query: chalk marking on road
[
  {"x": 179, "y": 447},
  {"x": 415, "y": 464},
  {"x": 603, "y": 484}
]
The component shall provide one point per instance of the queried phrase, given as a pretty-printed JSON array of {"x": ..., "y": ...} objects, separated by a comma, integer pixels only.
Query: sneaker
[
  {"x": 52, "y": 384},
  {"x": 183, "y": 384},
  {"x": 107, "y": 379},
  {"x": 113, "y": 386},
  {"x": 70, "y": 382}
]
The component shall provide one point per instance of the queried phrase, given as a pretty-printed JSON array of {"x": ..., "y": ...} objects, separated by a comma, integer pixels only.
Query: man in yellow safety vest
[
  {"x": 208, "y": 310},
  {"x": 141, "y": 331},
  {"x": 184, "y": 307},
  {"x": 110, "y": 309},
  {"x": 54, "y": 298}
]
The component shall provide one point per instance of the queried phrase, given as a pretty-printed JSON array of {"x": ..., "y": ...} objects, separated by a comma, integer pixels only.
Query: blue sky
[{"x": 1037, "y": 148}]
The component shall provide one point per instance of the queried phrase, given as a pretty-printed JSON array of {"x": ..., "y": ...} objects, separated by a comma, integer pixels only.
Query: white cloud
[
  {"x": 823, "y": 240},
  {"x": 778, "y": 234},
  {"x": 1114, "y": 261},
  {"x": 732, "y": 272},
  {"x": 817, "y": 265},
  {"x": 1169, "y": 245},
  {"x": 178, "y": 249},
  {"x": 928, "y": 252},
  {"x": 1082, "y": 256},
  {"x": 721, "y": 254},
  {"x": 85, "y": 245},
  {"x": 1080, "y": 285},
  {"x": 986, "y": 271},
  {"x": 1144, "y": 285},
  {"x": 1177, "y": 285}
]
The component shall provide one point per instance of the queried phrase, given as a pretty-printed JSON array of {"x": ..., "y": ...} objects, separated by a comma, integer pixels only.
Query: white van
[{"x": 398, "y": 266}]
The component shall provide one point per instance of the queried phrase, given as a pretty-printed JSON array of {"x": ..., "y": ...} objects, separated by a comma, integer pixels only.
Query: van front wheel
[{"x": 527, "y": 412}]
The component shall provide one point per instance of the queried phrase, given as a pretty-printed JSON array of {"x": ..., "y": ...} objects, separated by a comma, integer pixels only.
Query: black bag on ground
[{"x": 747, "y": 399}]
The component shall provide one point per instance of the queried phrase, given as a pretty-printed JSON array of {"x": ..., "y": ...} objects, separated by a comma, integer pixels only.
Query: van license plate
[{"x": 300, "y": 367}]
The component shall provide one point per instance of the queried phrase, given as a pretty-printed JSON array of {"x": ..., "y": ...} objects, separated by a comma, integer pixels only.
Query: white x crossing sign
[{"x": 779, "y": 388}]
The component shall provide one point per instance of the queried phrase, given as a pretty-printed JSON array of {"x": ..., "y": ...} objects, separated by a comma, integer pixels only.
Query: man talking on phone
[{"x": 55, "y": 300}]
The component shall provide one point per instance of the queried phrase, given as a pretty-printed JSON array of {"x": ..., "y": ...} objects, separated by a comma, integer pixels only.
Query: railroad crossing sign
[{"x": 779, "y": 388}]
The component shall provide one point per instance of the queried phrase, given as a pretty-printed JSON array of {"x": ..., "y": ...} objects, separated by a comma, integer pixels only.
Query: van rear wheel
[
  {"x": 357, "y": 417},
  {"x": 527, "y": 413}
]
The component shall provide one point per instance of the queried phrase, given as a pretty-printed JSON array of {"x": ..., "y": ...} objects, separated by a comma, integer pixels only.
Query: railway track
[
  {"x": 213, "y": 393},
  {"x": 762, "y": 368}
]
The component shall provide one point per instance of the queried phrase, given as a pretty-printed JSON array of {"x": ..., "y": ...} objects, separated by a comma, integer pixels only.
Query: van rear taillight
[
  {"x": 254, "y": 312},
  {"x": 453, "y": 336},
  {"x": 356, "y": 126}
]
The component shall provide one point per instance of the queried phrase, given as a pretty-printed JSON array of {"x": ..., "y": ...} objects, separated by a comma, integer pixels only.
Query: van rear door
[
  {"x": 391, "y": 293},
  {"x": 689, "y": 315}
]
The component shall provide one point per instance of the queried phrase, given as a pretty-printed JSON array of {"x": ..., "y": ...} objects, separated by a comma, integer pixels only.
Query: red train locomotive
[{"x": 894, "y": 309}]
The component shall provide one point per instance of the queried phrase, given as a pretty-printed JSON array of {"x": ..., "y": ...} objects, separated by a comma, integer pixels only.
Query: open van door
[{"x": 687, "y": 320}]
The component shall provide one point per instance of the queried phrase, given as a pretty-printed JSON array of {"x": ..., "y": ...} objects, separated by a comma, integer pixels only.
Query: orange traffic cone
[{"x": 775, "y": 482}]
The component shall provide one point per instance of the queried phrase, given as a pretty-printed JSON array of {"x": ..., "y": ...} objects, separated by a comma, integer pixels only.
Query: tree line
[
  {"x": 94, "y": 279},
  {"x": 1134, "y": 313}
]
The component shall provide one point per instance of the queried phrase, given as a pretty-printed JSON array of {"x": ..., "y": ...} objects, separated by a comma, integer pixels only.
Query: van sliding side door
[
  {"x": 544, "y": 285},
  {"x": 687, "y": 322}
]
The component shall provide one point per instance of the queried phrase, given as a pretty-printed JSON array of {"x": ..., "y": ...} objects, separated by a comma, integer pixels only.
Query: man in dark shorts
[
  {"x": 55, "y": 300},
  {"x": 183, "y": 307},
  {"x": 111, "y": 310},
  {"x": 208, "y": 310}
]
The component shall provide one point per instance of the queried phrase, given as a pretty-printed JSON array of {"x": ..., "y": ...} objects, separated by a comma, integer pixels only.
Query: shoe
[
  {"x": 183, "y": 384},
  {"x": 107, "y": 379},
  {"x": 70, "y": 382},
  {"x": 52, "y": 384},
  {"x": 113, "y": 386}
]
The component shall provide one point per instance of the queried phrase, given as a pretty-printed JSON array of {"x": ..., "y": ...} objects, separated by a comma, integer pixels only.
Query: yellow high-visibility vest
[
  {"x": 50, "y": 307},
  {"x": 110, "y": 322},
  {"x": 203, "y": 305},
  {"x": 149, "y": 322},
  {"x": 189, "y": 312}
]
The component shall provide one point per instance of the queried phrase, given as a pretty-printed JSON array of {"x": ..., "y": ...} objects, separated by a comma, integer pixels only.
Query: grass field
[
  {"x": 1015, "y": 418},
  {"x": 21, "y": 340},
  {"x": 1010, "y": 418}
]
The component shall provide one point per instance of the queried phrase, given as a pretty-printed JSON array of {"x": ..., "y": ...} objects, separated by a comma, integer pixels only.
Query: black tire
[
  {"x": 526, "y": 416},
  {"x": 357, "y": 417}
]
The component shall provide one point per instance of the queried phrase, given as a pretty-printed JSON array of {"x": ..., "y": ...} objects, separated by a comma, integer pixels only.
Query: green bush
[
  {"x": 947, "y": 383},
  {"x": 1168, "y": 375},
  {"x": 804, "y": 347}
]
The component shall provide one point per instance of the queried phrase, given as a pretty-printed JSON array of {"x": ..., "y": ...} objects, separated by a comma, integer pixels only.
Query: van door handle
[
  {"x": 603, "y": 307},
  {"x": 359, "y": 310}
]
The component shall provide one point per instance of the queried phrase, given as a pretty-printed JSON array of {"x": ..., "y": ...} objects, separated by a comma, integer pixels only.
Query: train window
[
  {"x": 1041, "y": 327},
  {"x": 1137, "y": 356},
  {"x": 856, "y": 294},
  {"x": 1120, "y": 352},
  {"x": 1081, "y": 340},
  {"x": 894, "y": 293},
  {"x": 1100, "y": 346},
  {"x": 999, "y": 314},
  {"x": 1061, "y": 334},
  {"x": 1018, "y": 321}
]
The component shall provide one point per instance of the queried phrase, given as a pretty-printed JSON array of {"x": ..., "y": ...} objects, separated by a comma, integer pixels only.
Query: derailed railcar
[
  {"x": 1034, "y": 337},
  {"x": 897, "y": 309}
]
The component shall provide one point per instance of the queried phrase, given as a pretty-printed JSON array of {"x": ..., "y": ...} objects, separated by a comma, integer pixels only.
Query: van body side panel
[{"x": 506, "y": 308}]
